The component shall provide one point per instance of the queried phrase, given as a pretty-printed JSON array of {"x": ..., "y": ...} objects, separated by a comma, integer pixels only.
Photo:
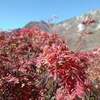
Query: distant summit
[
  {"x": 69, "y": 30},
  {"x": 41, "y": 24}
]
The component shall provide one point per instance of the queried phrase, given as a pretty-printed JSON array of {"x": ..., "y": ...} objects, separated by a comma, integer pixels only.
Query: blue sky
[{"x": 16, "y": 13}]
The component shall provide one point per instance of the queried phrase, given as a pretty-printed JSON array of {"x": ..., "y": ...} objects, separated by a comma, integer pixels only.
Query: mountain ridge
[{"x": 69, "y": 30}]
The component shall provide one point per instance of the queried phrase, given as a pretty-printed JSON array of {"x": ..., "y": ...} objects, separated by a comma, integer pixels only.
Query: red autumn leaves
[{"x": 32, "y": 62}]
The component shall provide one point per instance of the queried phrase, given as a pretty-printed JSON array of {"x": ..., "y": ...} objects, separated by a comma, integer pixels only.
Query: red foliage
[
  {"x": 26, "y": 55},
  {"x": 19, "y": 79},
  {"x": 66, "y": 67}
]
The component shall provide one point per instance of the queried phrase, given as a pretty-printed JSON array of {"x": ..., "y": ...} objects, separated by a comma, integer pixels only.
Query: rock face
[{"x": 69, "y": 30}]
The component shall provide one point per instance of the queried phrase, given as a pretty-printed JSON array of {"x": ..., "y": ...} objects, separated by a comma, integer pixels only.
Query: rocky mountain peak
[{"x": 70, "y": 30}]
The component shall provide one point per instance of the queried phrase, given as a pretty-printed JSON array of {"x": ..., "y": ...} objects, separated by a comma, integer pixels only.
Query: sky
[{"x": 17, "y": 13}]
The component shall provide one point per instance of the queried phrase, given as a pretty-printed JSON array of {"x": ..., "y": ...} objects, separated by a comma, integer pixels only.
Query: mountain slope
[{"x": 68, "y": 29}]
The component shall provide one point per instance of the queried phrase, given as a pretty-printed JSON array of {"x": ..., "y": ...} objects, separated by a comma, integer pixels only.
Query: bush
[{"x": 35, "y": 65}]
